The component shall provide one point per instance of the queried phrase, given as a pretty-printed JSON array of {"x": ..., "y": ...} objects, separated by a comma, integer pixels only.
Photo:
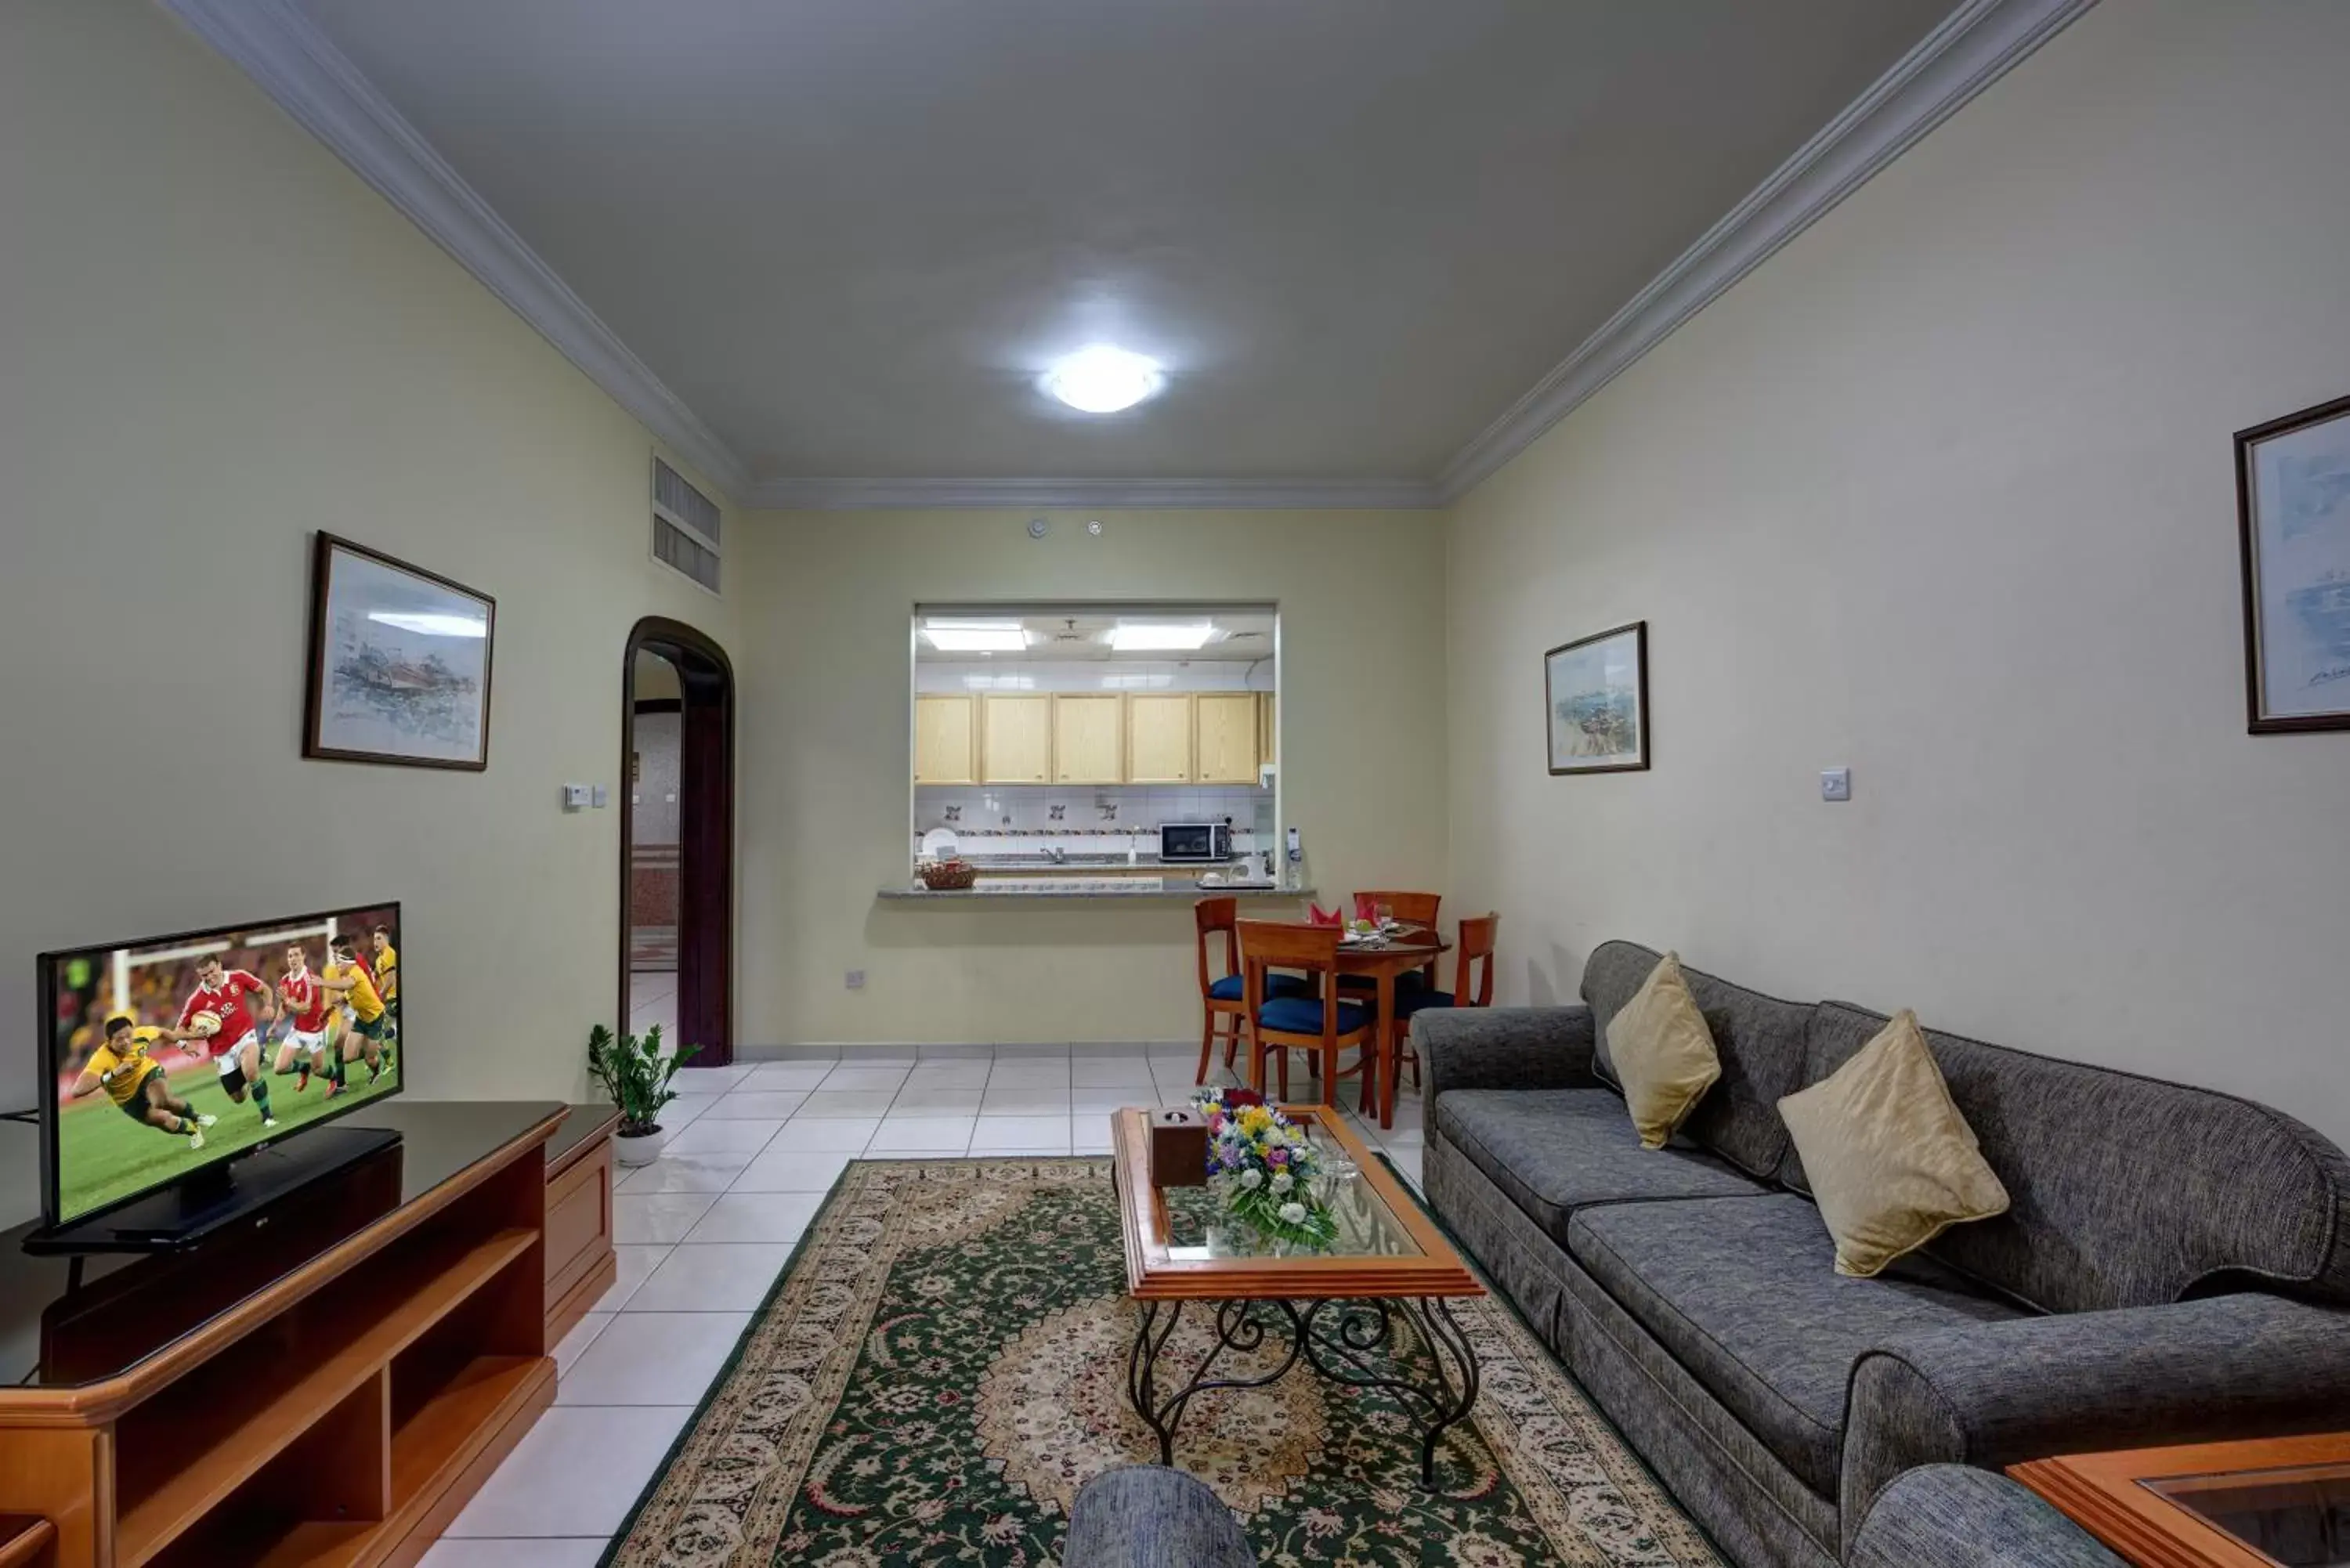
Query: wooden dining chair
[
  {"x": 1412, "y": 910},
  {"x": 1221, "y": 993},
  {"x": 1321, "y": 1022},
  {"x": 1473, "y": 986}
]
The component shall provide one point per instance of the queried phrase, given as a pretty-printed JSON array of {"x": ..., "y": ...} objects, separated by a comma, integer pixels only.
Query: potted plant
[{"x": 636, "y": 1075}]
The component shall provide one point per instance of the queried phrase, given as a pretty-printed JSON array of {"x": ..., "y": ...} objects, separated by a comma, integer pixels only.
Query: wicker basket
[{"x": 948, "y": 876}]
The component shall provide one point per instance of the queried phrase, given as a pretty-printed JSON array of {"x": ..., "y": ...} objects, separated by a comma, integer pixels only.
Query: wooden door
[
  {"x": 1158, "y": 738},
  {"x": 1088, "y": 738},
  {"x": 1227, "y": 731},
  {"x": 943, "y": 753},
  {"x": 1016, "y": 740}
]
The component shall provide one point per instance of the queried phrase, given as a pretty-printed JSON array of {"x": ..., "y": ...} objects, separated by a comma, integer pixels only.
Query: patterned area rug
[{"x": 944, "y": 1364}]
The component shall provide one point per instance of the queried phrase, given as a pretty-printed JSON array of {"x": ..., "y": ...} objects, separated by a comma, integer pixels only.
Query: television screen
[{"x": 172, "y": 1054}]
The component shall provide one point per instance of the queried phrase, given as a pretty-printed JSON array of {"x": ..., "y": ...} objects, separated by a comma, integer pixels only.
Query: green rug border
[{"x": 832, "y": 1194}]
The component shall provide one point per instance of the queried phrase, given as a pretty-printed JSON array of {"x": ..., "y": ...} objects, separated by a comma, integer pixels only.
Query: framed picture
[
  {"x": 1595, "y": 691},
  {"x": 400, "y": 663},
  {"x": 2292, "y": 510}
]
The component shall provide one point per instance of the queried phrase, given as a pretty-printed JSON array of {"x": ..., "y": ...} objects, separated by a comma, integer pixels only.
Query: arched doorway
[{"x": 693, "y": 812}]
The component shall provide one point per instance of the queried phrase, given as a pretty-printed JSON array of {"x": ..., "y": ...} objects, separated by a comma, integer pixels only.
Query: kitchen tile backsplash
[{"x": 1116, "y": 810}]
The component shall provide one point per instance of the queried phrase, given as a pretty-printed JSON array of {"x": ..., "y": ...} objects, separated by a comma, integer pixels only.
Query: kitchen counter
[
  {"x": 1164, "y": 888},
  {"x": 990, "y": 865}
]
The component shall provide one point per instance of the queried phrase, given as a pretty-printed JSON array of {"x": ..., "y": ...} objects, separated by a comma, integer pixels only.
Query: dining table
[{"x": 1383, "y": 962}]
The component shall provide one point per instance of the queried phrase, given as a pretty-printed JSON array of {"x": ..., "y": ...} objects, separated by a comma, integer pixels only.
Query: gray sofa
[
  {"x": 1940, "y": 1516},
  {"x": 2175, "y": 1266},
  {"x": 1146, "y": 1516},
  {"x": 1948, "y": 1516}
]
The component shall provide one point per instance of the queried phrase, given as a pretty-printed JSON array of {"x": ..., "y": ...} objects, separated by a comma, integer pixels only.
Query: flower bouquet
[{"x": 1262, "y": 1166}]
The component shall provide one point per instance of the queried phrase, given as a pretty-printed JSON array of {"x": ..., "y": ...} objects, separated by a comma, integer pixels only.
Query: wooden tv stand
[{"x": 354, "y": 1363}]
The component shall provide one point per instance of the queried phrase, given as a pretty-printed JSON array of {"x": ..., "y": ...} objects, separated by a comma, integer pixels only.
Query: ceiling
[
  {"x": 1066, "y": 635},
  {"x": 848, "y": 234}
]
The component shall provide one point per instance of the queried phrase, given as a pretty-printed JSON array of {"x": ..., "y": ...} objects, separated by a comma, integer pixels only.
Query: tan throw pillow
[
  {"x": 1663, "y": 1052},
  {"x": 1892, "y": 1162}
]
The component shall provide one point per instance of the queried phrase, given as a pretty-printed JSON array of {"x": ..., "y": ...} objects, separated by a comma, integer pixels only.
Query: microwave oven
[{"x": 1194, "y": 842}]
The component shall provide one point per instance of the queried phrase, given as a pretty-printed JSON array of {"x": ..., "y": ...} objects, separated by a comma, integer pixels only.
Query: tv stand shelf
[{"x": 339, "y": 1400}]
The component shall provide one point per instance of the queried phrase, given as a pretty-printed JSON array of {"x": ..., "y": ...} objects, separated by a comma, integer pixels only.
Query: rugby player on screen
[
  {"x": 305, "y": 1003},
  {"x": 385, "y": 966},
  {"x": 358, "y": 1024},
  {"x": 222, "y": 1009},
  {"x": 135, "y": 1082}
]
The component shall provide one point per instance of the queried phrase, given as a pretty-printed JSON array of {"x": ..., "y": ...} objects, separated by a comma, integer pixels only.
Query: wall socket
[
  {"x": 854, "y": 979},
  {"x": 1836, "y": 784}
]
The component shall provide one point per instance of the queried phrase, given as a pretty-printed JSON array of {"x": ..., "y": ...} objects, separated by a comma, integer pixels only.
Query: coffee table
[
  {"x": 1370, "y": 1310},
  {"x": 2252, "y": 1503}
]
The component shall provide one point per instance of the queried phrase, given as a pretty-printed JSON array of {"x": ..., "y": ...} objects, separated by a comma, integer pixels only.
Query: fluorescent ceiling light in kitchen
[
  {"x": 1102, "y": 380},
  {"x": 1145, "y": 637},
  {"x": 975, "y": 636}
]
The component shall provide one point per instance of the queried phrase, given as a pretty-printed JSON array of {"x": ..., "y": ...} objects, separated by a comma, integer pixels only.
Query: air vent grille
[{"x": 685, "y": 526}]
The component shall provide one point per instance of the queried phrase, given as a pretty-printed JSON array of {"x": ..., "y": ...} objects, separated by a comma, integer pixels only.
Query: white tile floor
[
  {"x": 702, "y": 1233},
  {"x": 652, "y": 998}
]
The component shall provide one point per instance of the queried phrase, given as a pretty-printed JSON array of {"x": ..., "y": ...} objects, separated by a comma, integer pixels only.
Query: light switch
[
  {"x": 1836, "y": 784},
  {"x": 575, "y": 796}
]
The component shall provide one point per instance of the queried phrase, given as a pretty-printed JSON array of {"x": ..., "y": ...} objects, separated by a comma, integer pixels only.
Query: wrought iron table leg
[
  {"x": 1348, "y": 1342},
  {"x": 1456, "y": 1385},
  {"x": 1353, "y": 1343},
  {"x": 1240, "y": 1325}
]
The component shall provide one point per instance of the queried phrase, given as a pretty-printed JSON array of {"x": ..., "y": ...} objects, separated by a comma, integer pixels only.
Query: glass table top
[
  {"x": 1199, "y": 1228},
  {"x": 2298, "y": 1517},
  {"x": 1182, "y": 1242}
]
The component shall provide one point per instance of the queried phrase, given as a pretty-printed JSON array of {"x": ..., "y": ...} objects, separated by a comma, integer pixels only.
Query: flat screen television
[{"x": 165, "y": 1058}]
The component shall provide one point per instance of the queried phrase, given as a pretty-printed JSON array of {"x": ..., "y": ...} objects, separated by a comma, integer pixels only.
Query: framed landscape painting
[
  {"x": 2292, "y": 513},
  {"x": 1596, "y": 694},
  {"x": 400, "y": 663}
]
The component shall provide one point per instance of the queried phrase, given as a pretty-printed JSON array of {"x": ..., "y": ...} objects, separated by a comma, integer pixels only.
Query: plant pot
[{"x": 638, "y": 1148}]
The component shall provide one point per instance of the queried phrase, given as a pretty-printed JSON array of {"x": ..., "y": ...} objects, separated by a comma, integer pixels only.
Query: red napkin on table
[
  {"x": 1366, "y": 907},
  {"x": 1315, "y": 915}
]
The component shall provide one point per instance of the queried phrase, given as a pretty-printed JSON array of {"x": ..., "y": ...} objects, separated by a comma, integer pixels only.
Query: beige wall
[
  {"x": 825, "y": 673},
  {"x": 1943, "y": 492},
  {"x": 216, "y": 340}
]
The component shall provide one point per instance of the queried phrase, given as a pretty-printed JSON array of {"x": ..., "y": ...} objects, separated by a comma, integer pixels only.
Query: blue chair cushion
[
  {"x": 1303, "y": 1015},
  {"x": 1419, "y": 997},
  {"x": 1233, "y": 988}
]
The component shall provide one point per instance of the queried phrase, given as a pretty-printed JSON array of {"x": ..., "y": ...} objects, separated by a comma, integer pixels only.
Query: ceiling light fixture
[
  {"x": 975, "y": 636},
  {"x": 1159, "y": 636},
  {"x": 1102, "y": 380}
]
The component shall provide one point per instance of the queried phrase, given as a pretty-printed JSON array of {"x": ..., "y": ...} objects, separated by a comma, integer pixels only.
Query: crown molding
[
  {"x": 1107, "y": 494},
  {"x": 300, "y": 69},
  {"x": 1973, "y": 47},
  {"x": 311, "y": 79}
]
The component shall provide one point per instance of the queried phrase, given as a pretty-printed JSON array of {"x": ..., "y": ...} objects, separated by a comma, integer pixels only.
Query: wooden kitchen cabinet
[
  {"x": 943, "y": 736},
  {"x": 1158, "y": 738},
  {"x": 1226, "y": 724},
  {"x": 1088, "y": 738},
  {"x": 1268, "y": 728},
  {"x": 1015, "y": 739}
]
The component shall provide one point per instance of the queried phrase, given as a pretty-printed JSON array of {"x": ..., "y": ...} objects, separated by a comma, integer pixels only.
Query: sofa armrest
[
  {"x": 1144, "y": 1516},
  {"x": 1992, "y": 1394},
  {"x": 1502, "y": 1048},
  {"x": 1949, "y": 1516}
]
